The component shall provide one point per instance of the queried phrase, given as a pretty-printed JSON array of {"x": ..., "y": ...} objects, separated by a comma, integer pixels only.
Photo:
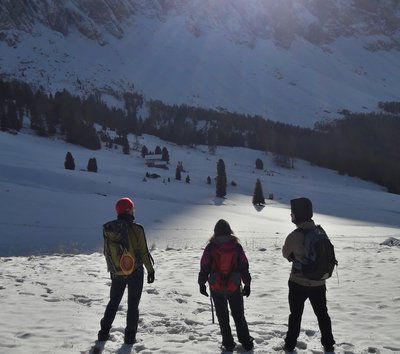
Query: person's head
[
  {"x": 222, "y": 228},
  {"x": 301, "y": 210},
  {"x": 124, "y": 206}
]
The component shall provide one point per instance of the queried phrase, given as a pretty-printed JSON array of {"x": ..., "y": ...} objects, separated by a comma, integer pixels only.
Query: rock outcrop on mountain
[
  {"x": 319, "y": 22},
  {"x": 293, "y": 61},
  {"x": 89, "y": 17}
]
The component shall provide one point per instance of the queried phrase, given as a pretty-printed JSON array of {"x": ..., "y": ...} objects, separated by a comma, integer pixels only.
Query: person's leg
[
  {"x": 221, "y": 309},
  {"x": 237, "y": 310},
  {"x": 135, "y": 287},
  {"x": 318, "y": 303},
  {"x": 117, "y": 289},
  {"x": 297, "y": 297}
]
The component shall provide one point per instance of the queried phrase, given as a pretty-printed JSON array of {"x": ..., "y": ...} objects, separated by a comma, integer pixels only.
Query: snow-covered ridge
[
  {"x": 295, "y": 62},
  {"x": 241, "y": 21}
]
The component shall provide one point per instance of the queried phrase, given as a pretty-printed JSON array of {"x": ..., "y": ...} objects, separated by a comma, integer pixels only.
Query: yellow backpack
[{"x": 116, "y": 248}]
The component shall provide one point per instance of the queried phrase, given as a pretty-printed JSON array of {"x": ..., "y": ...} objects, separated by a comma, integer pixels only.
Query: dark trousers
[
  {"x": 118, "y": 285},
  {"x": 298, "y": 294},
  {"x": 236, "y": 305}
]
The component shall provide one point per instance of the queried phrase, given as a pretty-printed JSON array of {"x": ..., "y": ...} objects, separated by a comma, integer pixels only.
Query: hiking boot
[
  {"x": 228, "y": 347},
  {"x": 130, "y": 337},
  {"x": 288, "y": 349},
  {"x": 129, "y": 340},
  {"x": 329, "y": 349},
  {"x": 248, "y": 345},
  {"x": 103, "y": 336}
]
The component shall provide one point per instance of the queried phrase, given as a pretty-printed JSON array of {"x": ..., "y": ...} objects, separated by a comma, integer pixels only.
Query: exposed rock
[
  {"x": 392, "y": 242},
  {"x": 319, "y": 22}
]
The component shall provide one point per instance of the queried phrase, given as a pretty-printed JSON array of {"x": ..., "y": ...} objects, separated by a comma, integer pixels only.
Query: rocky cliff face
[
  {"x": 244, "y": 22},
  {"x": 90, "y": 17},
  {"x": 292, "y": 61}
]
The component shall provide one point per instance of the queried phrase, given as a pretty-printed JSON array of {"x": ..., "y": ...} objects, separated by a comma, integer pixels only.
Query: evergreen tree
[
  {"x": 157, "y": 151},
  {"x": 180, "y": 166},
  {"x": 178, "y": 172},
  {"x": 92, "y": 165},
  {"x": 136, "y": 143},
  {"x": 165, "y": 154},
  {"x": 221, "y": 179},
  {"x": 208, "y": 180},
  {"x": 69, "y": 162},
  {"x": 14, "y": 121},
  {"x": 212, "y": 141},
  {"x": 259, "y": 164},
  {"x": 125, "y": 145},
  {"x": 258, "y": 196},
  {"x": 187, "y": 179},
  {"x": 145, "y": 151},
  {"x": 284, "y": 161}
]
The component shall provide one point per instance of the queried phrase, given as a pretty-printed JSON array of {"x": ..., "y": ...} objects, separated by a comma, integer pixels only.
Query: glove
[
  {"x": 150, "y": 277},
  {"x": 291, "y": 257},
  {"x": 246, "y": 291},
  {"x": 203, "y": 290}
]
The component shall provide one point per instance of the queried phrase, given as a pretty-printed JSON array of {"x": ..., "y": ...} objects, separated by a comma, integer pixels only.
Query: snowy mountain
[
  {"x": 295, "y": 62},
  {"x": 54, "y": 285}
]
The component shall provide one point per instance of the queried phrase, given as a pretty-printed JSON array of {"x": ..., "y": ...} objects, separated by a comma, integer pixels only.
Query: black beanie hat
[
  {"x": 301, "y": 209},
  {"x": 222, "y": 228}
]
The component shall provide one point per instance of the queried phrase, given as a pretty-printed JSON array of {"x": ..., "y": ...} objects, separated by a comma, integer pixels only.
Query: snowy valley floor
[{"x": 53, "y": 304}]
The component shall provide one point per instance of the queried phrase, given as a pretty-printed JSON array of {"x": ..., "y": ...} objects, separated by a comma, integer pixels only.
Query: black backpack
[{"x": 319, "y": 255}]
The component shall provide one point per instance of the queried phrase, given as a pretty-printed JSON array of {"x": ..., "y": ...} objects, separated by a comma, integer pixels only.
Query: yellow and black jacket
[{"x": 120, "y": 235}]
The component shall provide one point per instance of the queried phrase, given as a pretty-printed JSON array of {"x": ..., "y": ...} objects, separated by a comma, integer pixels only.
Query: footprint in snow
[
  {"x": 23, "y": 335},
  {"x": 26, "y": 293},
  {"x": 310, "y": 332},
  {"x": 301, "y": 345},
  {"x": 152, "y": 291},
  {"x": 200, "y": 310},
  {"x": 181, "y": 301},
  {"x": 393, "y": 349}
]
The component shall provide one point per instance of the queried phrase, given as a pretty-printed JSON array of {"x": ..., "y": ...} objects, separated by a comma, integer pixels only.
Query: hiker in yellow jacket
[{"x": 126, "y": 251}]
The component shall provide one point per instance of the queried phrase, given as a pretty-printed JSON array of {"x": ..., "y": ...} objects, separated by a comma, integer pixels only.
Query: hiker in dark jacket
[
  {"x": 137, "y": 247},
  {"x": 301, "y": 288},
  {"x": 224, "y": 265}
]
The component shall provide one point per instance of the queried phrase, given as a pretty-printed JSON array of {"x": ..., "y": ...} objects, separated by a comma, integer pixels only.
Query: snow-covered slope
[
  {"x": 62, "y": 210},
  {"x": 53, "y": 303},
  {"x": 291, "y": 62}
]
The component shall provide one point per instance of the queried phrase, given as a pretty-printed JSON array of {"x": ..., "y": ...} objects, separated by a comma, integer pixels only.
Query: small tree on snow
[
  {"x": 221, "y": 179},
  {"x": 165, "y": 154},
  {"x": 258, "y": 196},
  {"x": 259, "y": 164},
  {"x": 92, "y": 165},
  {"x": 125, "y": 145},
  {"x": 145, "y": 151},
  {"x": 69, "y": 162},
  {"x": 178, "y": 173}
]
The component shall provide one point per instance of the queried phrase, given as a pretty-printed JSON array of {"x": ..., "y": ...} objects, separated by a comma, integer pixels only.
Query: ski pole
[{"x": 212, "y": 309}]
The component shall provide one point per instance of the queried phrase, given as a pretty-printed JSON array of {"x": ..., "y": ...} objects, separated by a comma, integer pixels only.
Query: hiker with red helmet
[
  {"x": 126, "y": 251},
  {"x": 224, "y": 265}
]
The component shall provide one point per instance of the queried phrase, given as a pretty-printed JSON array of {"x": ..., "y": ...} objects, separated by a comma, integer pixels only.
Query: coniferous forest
[{"x": 360, "y": 145}]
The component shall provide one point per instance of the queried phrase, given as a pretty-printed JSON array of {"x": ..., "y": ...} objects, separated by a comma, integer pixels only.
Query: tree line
[{"x": 360, "y": 145}]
